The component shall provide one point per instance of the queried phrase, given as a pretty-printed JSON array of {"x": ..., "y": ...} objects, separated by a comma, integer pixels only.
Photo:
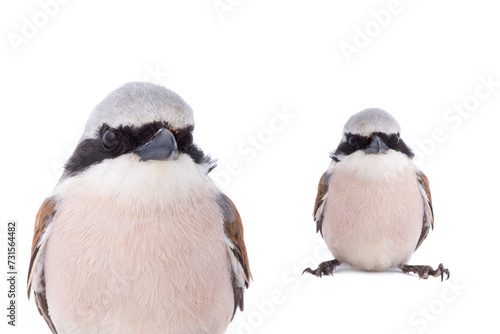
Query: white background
[{"x": 238, "y": 69}]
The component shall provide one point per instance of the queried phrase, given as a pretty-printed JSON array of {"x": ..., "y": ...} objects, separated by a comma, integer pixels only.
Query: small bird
[
  {"x": 374, "y": 206},
  {"x": 135, "y": 237}
]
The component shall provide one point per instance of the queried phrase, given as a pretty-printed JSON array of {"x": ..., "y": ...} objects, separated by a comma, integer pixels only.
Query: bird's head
[
  {"x": 147, "y": 122},
  {"x": 373, "y": 132}
]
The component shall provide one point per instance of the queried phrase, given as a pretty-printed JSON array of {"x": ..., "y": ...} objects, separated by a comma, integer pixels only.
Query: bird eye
[
  {"x": 352, "y": 141},
  {"x": 109, "y": 139},
  {"x": 395, "y": 140}
]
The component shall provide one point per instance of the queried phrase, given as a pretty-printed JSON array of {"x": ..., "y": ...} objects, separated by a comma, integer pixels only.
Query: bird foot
[
  {"x": 426, "y": 271},
  {"x": 325, "y": 268}
]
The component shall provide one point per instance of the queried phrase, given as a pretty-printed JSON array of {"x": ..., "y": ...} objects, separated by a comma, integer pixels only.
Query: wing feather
[
  {"x": 237, "y": 252},
  {"x": 36, "y": 274},
  {"x": 320, "y": 201},
  {"x": 428, "y": 219}
]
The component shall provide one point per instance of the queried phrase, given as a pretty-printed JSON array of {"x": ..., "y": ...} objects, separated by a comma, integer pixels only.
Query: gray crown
[
  {"x": 138, "y": 103},
  {"x": 371, "y": 120}
]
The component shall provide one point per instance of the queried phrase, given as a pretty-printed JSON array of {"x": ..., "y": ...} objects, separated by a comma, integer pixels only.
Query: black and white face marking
[
  {"x": 111, "y": 143},
  {"x": 376, "y": 143}
]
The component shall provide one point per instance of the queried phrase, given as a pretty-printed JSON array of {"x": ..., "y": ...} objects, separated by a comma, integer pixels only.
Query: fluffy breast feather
[
  {"x": 374, "y": 211},
  {"x": 138, "y": 247}
]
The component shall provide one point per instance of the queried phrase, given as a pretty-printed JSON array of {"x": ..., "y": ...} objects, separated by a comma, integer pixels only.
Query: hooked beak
[
  {"x": 161, "y": 147},
  {"x": 377, "y": 146}
]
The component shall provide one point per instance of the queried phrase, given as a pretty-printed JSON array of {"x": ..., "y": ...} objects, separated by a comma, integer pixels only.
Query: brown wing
[
  {"x": 320, "y": 201},
  {"x": 236, "y": 249},
  {"x": 43, "y": 219},
  {"x": 428, "y": 220}
]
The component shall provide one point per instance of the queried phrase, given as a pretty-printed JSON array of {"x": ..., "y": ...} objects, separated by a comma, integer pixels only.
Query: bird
[
  {"x": 136, "y": 237},
  {"x": 373, "y": 206}
]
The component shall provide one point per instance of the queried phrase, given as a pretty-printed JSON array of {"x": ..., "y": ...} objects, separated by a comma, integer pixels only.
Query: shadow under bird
[
  {"x": 135, "y": 237},
  {"x": 374, "y": 206}
]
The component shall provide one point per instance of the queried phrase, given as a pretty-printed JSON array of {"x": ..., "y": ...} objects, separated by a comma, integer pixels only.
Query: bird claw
[
  {"x": 325, "y": 268},
  {"x": 426, "y": 271}
]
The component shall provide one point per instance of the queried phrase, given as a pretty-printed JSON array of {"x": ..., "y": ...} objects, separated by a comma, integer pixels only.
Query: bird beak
[
  {"x": 377, "y": 146},
  {"x": 161, "y": 147}
]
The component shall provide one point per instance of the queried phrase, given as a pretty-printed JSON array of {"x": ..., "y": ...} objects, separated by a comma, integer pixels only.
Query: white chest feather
[
  {"x": 374, "y": 211},
  {"x": 138, "y": 248}
]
